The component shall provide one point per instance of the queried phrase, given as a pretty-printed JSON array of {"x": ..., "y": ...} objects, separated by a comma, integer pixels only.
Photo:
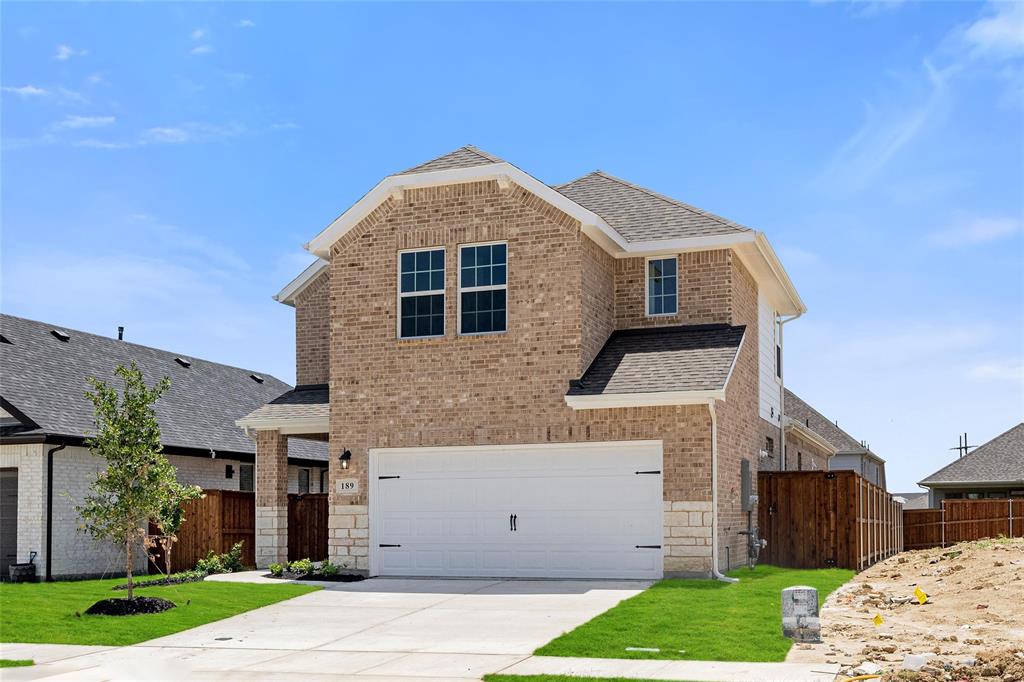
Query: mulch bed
[
  {"x": 337, "y": 578},
  {"x": 129, "y": 607},
  {"x": 172, "y": 580}
]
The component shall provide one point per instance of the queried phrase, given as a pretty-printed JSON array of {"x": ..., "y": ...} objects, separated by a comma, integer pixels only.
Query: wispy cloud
[
  {"x": 92, "y": 143},
  {"x": 999, "y": 370},
  {"x": 26, "y": 91},
  {"x": 201, "y": 49},
  {"x": 968, "y": 232},
  {"x": 198, "y": 34},
  {"x": 885, "y": 133},
  {"x": 97, "y": 79},
  {"x": 66, "y": 52},
  {"x": 245, "y": 23},
  {"x": 78, "y": 122},
  {"x": 1000, "y": 33},
  {"x": 189, "y": 132}
]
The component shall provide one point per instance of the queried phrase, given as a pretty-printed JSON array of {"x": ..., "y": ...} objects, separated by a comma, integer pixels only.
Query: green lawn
[
  {"x": 50, "y": 612},
  {"x": 15, "y": 663},
  {"x": 703, "y": 620}
]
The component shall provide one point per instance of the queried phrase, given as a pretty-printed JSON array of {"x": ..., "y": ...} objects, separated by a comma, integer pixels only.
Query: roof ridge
[
  {"x": 481, "y": 153},
  {"x": 170, "y": 353},
  {"x": 670, "y": 200}
]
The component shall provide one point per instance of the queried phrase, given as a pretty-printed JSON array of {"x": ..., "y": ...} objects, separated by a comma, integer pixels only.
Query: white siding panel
[{"x": 768, "y": 378}]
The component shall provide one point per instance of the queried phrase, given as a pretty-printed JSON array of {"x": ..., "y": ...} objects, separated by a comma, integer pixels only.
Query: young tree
[{"x": 138, "y": 483}]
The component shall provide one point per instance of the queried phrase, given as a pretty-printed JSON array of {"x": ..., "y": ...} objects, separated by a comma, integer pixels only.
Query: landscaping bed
[
  {"x": 304, "y": 569},
  {"x": 129, "y": 607},
  {"x": 335, "y": 578},
  {"x": 698, "y": 619}
]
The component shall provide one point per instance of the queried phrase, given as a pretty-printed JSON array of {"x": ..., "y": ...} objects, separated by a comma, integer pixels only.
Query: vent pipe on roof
[
  {"x": 60, "y": 335},
  {"x": 120, "y": 333},
  {"x": 183, "y": 362}
]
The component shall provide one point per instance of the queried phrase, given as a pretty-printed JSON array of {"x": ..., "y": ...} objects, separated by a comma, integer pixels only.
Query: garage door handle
[
  {"x": 515, "y": 520},
  {"x": 648, "y": 546},
  {"x": 389, "y": 545},
  {"x": 646, "y": 472}
]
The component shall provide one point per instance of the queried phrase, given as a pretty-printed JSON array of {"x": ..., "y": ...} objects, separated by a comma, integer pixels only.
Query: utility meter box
[
  {"x": 748, "y": 493},
  {"x": 800, "y": 620}
]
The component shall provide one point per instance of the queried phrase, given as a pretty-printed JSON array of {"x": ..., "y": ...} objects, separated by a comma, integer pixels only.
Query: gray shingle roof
[
  {"x": 916, "y": 500},
  {"x": 690, "y": 358},
  {"x": 45, "y": 379},
  {"x": 639, "y": 214},
  {"x": 302, "y": 402},
  {"x": 463, "y": 157},
  {"x": 843, "y": 442},
  {"x": 1001, "y": 460}
]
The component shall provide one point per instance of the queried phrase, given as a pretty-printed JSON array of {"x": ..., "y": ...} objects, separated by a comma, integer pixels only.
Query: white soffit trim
[
  {"x": 613, "y": 400},
  {"x": 286, "y": 426},
  {"x": 753, "y": 248},
  {"x": 297, "y": 285}
]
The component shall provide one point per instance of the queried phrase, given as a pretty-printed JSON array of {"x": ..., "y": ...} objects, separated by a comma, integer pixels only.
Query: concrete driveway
[{"x": 386, "y": 628}]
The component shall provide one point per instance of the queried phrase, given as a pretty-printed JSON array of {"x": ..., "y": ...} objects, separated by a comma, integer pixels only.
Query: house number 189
[{"x": 348, "y": 486}]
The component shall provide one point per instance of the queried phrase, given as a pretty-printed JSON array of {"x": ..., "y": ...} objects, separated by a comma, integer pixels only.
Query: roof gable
[
  {"x": 1000, "y": 460},
  {"x": 463, "y": 157},
  {"x": 47, "y": 378}
]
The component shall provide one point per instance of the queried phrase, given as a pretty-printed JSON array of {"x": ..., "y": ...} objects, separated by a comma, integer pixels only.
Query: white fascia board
[
  {"x": 969, "y": 484},
  {"x": 321, "y": 244},
  {"x": 614, "y": 400},
  {"x": 515, "y": 447},
  {"x": 286, "y": 426},
  {"x": 297, "y": 285},
  {"x": 807, "y": 434},
  {"x": 659, "y": 247}
]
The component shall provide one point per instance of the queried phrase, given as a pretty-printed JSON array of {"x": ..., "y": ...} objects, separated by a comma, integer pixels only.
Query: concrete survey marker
[{"x": 800, "y": 620}]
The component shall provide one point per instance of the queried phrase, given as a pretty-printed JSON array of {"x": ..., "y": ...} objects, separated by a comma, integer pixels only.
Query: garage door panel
[{"x": 580, "y": 511}]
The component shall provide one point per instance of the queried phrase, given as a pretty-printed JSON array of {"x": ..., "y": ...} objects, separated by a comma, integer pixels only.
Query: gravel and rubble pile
[{"x": 971, "y": 626}]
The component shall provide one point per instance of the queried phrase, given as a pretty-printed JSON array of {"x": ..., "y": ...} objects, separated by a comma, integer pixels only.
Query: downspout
[
  {"x": 715, "y": 573},
  {"x": 782, "y": 390},
  {"x": 49, "y": 510}
]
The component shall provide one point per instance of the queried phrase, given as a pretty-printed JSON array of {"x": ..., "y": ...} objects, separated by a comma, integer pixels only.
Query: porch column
[{"x": 271, "y": 498}]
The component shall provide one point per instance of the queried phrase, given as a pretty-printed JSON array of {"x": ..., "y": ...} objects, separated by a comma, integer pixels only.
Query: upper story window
[
  {"x": 661, "y": 286},
  {"x": 421, "y": 293},
  {"x": 483, "y": 288}
]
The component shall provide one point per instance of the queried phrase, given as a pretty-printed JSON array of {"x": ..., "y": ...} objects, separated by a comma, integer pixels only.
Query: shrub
[
  {"x": 276, "y": 570},
  {"x": 327, "y": 569},
  {"x": 301, "y": 567},
  {"x": 229, "y": 562}
]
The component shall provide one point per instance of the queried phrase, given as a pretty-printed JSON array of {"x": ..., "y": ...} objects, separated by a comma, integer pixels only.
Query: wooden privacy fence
[
  {"x": 214, "y": 522},
  {"x": 307, "y": 526},
  {"x": 960, "y": 520},
  {"x": 821, "y": 519}
]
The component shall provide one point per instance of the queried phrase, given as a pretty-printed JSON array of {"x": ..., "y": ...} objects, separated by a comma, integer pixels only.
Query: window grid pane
[
  {"x": 422, "y": 316},
  {"x": 661, "y": 287},
  {"x": 422, "y": 271},
  {"x": 483, "y": 266}
]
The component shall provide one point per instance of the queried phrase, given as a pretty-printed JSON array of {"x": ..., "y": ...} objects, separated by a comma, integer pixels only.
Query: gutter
[
  {"x": 715, "y": 573},
  {"x": 49, "y": 510}
]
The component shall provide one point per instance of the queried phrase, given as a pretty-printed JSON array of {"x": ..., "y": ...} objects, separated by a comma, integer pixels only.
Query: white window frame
[
  {"x": 406, "y": 294},
  {"x": 489, "y": 287},
  {"x": 647, "y": 286}
]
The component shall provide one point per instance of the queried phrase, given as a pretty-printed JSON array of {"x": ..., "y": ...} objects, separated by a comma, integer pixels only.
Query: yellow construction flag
[
  {"x": 920, "y": 594},
  {"x": 877, "y": 620}
]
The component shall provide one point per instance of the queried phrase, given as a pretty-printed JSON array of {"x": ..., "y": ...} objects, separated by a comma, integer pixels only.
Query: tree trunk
[{"x": 128, "y": 557}]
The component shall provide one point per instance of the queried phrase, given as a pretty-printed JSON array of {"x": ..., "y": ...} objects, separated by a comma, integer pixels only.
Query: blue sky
[{"x": 162, "y": 165}]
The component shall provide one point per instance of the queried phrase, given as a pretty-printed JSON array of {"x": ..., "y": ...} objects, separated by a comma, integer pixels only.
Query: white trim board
[
  {"x": 613, "y": 400},
  {"x": 752, "y": 247}
]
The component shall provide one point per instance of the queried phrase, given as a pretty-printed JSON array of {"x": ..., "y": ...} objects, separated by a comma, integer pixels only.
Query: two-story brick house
[{"x": 524, "y": 380}]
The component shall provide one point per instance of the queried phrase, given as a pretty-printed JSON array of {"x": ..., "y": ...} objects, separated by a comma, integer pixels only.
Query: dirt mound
[
  {"x": 129, "y": 607},
  {"x": 974, "y": 604},
  {"x": 1002, "y": 666}
]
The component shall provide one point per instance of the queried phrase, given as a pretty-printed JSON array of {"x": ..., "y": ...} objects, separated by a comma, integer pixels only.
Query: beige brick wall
[
  {"x": 739, "y": 421},
  {"x": 313, "y": 332},
  {"x": 565, "y": 295},
  {"x": 271, "y": 498},
  {"x": 704, "y": 286},
  {"x": 803, "y": 455}
]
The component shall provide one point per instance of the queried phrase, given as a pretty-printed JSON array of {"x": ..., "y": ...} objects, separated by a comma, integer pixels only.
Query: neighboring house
[
  {"x": 812, "y": 436},
  {"x": 45, "y": 415},
  {"x": 912, "y": 500},
  {"x": 993, "y": 470},
  {"x": 525, "y": 380}
]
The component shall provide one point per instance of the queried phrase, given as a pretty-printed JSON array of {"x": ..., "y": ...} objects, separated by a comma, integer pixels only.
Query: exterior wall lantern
[{"x": 345, "y": 458}]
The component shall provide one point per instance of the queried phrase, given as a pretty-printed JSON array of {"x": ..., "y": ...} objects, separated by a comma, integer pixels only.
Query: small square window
[{"x": 662, "y": 286}]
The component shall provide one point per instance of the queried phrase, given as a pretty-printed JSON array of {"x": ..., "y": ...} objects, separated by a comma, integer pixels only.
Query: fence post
[
  {"x": 942, "y": 524},
  {"x": 1010, "y": 499}
]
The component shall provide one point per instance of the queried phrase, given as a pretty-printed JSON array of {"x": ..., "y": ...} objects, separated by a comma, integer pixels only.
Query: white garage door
[{"x": 578, "y": 510}]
